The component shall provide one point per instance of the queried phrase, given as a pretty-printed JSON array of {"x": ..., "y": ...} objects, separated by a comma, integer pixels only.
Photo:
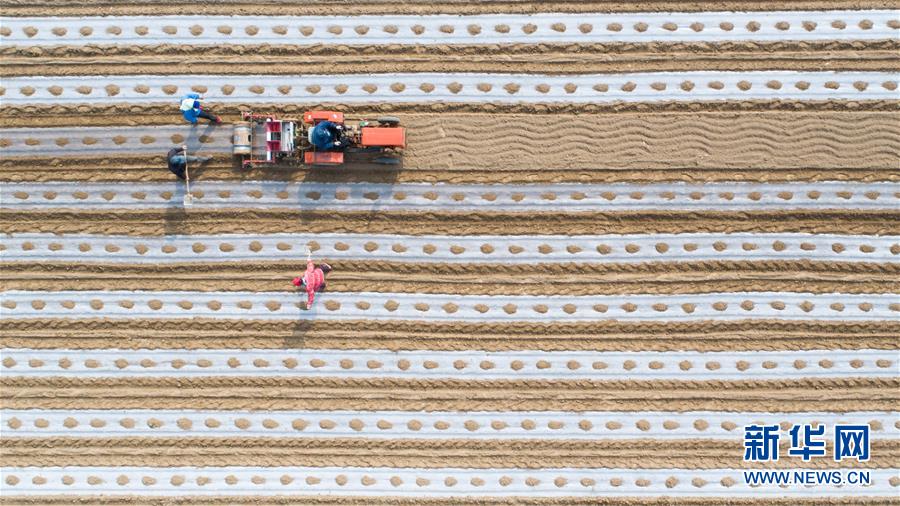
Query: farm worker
[
  {"x": 178, "y": 161},
  {"x": 327, "y": 136},
  {"x": 313, "y": 280},
  {"x": 191, "y": 109}
]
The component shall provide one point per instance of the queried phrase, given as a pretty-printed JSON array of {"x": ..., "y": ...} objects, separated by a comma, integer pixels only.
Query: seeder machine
[{"x": 321, "y": 138}]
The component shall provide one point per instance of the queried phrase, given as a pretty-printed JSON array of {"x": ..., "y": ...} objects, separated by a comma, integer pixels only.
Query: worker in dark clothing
[
  {"x": 178, "y": 161},
  {"x": 328, "y": 136}
]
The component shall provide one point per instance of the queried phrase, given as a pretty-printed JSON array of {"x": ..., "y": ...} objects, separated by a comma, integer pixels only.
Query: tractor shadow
[
  {"x": 364, "y": 177},
  {"x": 360, "y": 170}
]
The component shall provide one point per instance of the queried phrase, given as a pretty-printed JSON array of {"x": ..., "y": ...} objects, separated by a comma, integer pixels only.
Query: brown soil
[
  {"x": 319, "y": 393},
  {"x": 749, "y": 141},
  {"x": 469, "y": 454},
  {"x": 658, "y": 277},
  {"x": 155, "y": 222},
  {"x": 663, "y": 146},
  {"x": 401, "y": 335}
]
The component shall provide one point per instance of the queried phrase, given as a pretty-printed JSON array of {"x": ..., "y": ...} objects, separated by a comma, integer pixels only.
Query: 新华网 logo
[{"x": 850, "y": 442}]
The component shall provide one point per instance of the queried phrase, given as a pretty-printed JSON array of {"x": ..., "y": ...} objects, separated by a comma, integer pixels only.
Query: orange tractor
[{"x": 321, "y": 138}]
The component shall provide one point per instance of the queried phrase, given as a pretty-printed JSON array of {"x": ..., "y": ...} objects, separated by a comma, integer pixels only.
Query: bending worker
[
  {"x": 191, "y": 110},
  {"x": 328, "y": 136},
  {"x": 178, "y": 161},
  {"x": 313, "y": 279}
]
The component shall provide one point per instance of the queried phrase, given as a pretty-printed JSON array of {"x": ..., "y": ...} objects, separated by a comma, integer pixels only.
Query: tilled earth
[{"x": 620, "y": 233}]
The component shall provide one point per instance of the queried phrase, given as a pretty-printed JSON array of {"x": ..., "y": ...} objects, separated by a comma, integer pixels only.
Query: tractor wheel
[{"x": 388, "y": 120}]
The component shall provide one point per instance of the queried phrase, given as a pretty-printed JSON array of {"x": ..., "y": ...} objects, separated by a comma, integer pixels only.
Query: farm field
[{"x": 620, "y": 233}]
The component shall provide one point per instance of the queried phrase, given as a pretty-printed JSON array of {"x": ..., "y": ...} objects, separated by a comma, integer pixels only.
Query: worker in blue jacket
[
  {"x": 328, "y": 136},
  {"x": 191, "y": 109}
]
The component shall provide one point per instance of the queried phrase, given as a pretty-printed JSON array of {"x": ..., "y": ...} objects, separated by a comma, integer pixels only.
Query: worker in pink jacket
[{"x": 313, "y": 279}]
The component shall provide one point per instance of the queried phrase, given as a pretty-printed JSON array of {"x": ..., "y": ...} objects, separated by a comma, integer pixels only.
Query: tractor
[{"x": 321, "y": 138}]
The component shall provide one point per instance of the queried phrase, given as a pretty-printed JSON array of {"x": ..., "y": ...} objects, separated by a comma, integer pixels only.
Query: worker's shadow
[
  {"x": 195, "y": 141},
  {"x": 302, "y": 326},
  {"x": 176, "y": 214},
  {"x": 298, "y": 334},
  {"x": 175, "y": 220}
]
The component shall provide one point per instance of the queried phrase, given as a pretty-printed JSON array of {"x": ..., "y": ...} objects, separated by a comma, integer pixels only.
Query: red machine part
[
  {"x": 273, "y": 144},
  {"x": 383, "y": 137},
  {"x": 279, "y": 135},
  {"x": 323, "y": 157},
  {"x": 311, "y": 117}
]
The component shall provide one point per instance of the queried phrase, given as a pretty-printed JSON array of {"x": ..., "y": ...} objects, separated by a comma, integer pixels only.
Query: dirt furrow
[
  {"x": 20, "y": 8},
  {"x": 538, "y": 59},
  {"x": 844, "y": 394},
  {"x": 551, "y": 52},
  {"x": 401, "y": 335},
  {"x": 183, "y": 221},
  {"x": 486, "y": 279},
  {"x": 456, "y": 453}
]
